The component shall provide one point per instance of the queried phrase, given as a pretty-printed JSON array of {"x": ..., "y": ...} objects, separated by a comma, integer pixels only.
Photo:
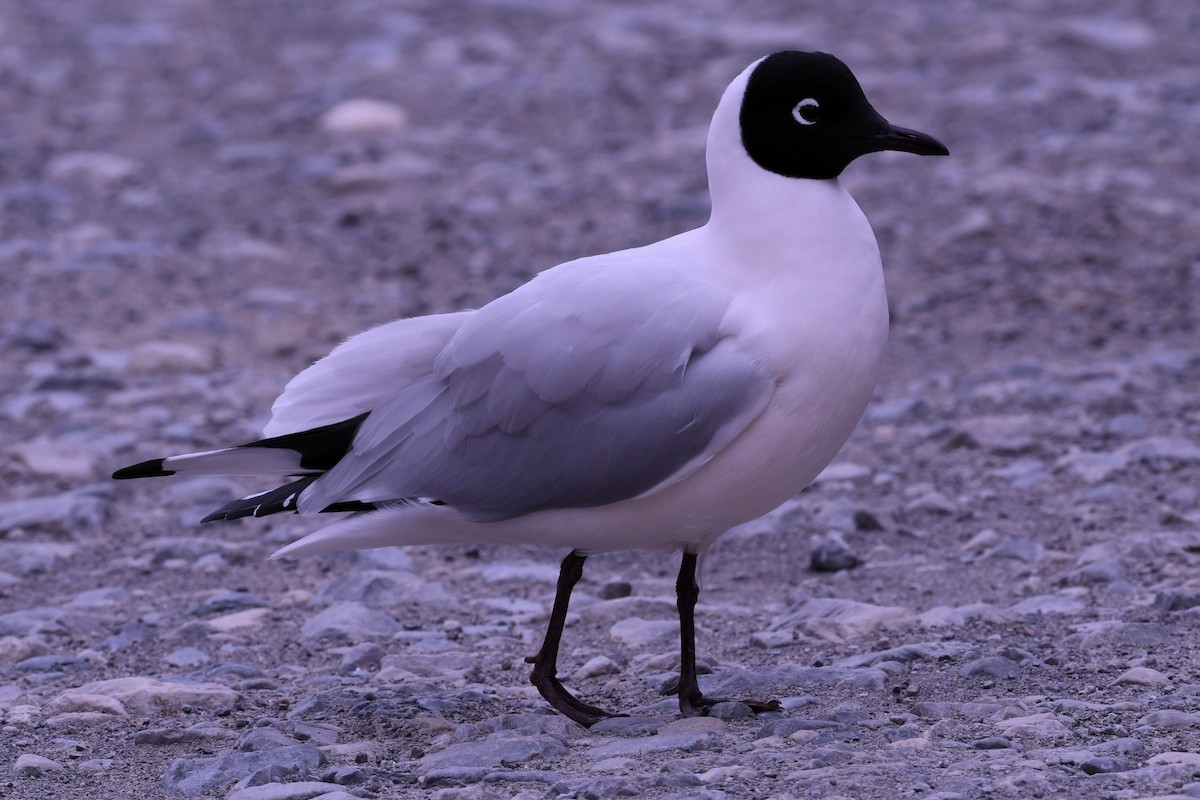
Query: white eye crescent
[{"x": 807, "y": 111}]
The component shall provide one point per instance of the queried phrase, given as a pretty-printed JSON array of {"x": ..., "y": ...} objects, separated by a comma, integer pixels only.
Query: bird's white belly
[{"x": 832, "y": 357}]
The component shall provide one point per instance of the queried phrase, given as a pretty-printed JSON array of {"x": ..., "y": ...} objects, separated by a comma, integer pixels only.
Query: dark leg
[
  {"x": 545, "y": 663},
  {"x": 691, "y": 702}
]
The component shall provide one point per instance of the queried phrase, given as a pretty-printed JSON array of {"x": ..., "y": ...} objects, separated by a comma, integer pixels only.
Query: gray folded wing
[{"x": 584, "y": 387}]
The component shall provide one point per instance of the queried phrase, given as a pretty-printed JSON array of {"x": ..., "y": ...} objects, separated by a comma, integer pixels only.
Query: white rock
[
  {"x": 145, "y": 696},
  {"x": 73, "y": 719},
  {"x": 723, "y": 774},
  {"x": 1168, "y": 448},
  {"x": 237, "y": 620},
  {"x": 157, "y": 356},
  {"x": 694, "y": 724},
  {"x": 1037, "y": 726},
  {"x": 186, "y": 657},
  {"x": 844, "y": 471},
  {"x": 76, "y": 701},
  {"x": 1114, "y": 35},
  {"x": 839, "y": 620},
  {"x": 301, "y": 790},
  {"x": 92, "y": 166},
  {"x": 943, "y": 616},
  {"x": 29, "y": 764},
  {"x": 48, "y": 458},
  {"x": 1046, "y": 604},
  {"x": 600, "y": 665},
  {"x": 364, "y": 115},
  {"x": 637, "y": 632},
  {"x": 1142, "y": 676},
  {"x": 1174, "y": 757},
  {"x": 22, "y": 714},
  {"x": 19, "y": 648},
  {"x": 520, "y": 571},
  {"x": 772, "y": 639},
  {"x": 1094, "y": 467}
]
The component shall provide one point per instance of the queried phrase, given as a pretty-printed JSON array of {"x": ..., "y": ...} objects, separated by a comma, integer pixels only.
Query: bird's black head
[{"x": 805, "y": 116}]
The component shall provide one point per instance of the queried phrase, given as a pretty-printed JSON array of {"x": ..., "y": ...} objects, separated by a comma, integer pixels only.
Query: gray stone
[
  {"x": 831, "y": 553},
  {"x": 367, "y": 655},
  {"x": 74, "y": 513},
  {"x": 989, "y": 666},
  {"x": 638, "y": 633},
  {"x": 993, "y": 743},
  {"x": 151, "y": 697},
  {"x": 921, "y": 651},
  {"x": 614, "y": 590},
  {"x": 381, "y": 589},
  {"x": 29, "y": 764},
  {"x": 128, "y": 634},
  {"x": 730, "y": 709},
  {"x": 186, "y": 657},
  {"x": 837, "y": 619},
  {"x": 505, "y": 750},
  {"x": 659, "y": 743},
  {"x": 50, "y": 663},
  {"x": 347, "y": 622},
  {"x": 772, "y": 680},
  {"x": 48, "y": 620},
  {"x": 225, "y": 600},
  {"x": 299, "y": 790},
  {"x": 192, "y": 777},
  {"x": 1104, "y": 764},
  {"x": 1169, "y": 718},
  {"x": 265, "y": 738}
]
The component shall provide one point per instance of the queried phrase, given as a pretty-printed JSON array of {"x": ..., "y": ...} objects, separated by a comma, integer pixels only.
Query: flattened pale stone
[
  {"x": 600, "y": 665},
  {"x": 364, "y": 115},
  {"x": 250, "y": 618},
  {"x": 348, "y": 621},
  {"x": 30, "y": 764},
  {"x": 75, "y": 718},
  {"x": 695, "y": 724},
  {"x": 150, "y": 696},
  {"x": 1047, "y": 604},
  {"x": 368, "y": 749},
  {"x": 839, "y": 620},
  {"x": 1174, "y": 758},
  {"x": 301, "y": 790},
  {"x": 638, "y": 632},
  {"x": 19, "y": 648},
  {"x": 46, "y": 457},
  {"x": 1169, "y": 718},
  {"x": 1040, "y": 726},
  {"x": 172, "y": 357},
  {"x": 77, "y": 701},
  {"x": 93, "y": 166},
  {"x": 21, "y": 714},
  {"x": 915, "y": 743},
  {"x": 844, "y": 471},
  {"x": 1142, "y": 676}
]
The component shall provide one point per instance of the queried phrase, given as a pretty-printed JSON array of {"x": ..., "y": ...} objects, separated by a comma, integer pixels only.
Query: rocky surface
[{"x": 992, "y": 593}]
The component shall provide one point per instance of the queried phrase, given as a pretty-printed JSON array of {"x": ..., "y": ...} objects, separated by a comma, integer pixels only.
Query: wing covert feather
[{"x": 565, "y": 393}]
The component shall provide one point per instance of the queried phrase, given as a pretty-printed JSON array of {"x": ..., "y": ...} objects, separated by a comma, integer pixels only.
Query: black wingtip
[{"x": 147, "y": 469}]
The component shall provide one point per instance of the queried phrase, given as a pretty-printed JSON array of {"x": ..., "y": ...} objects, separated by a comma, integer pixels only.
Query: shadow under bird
[{"x": 648, "y": 398}]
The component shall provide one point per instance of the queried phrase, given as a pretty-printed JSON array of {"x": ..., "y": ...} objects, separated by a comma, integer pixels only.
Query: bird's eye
[{"x": 807, "y": 111}]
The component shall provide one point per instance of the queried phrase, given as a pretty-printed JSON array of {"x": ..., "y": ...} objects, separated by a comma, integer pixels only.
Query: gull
[{"x": 649, "y": 398}]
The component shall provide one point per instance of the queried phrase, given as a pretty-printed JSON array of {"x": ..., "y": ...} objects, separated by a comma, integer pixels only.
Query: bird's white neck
[{"x": 813, "y": 224}]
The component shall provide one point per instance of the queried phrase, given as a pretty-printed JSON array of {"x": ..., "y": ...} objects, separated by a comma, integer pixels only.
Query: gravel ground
[{"x": 191, "y": 213}]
